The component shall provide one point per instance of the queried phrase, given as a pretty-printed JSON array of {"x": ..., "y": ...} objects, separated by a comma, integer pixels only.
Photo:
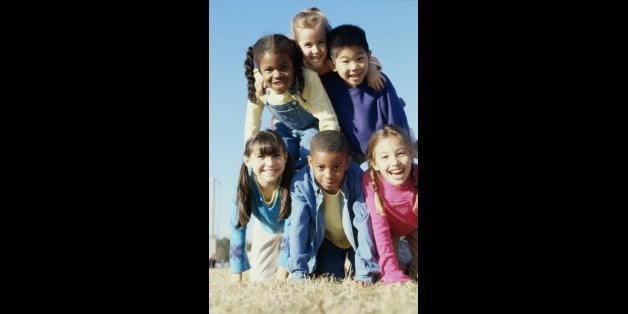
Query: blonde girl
[{"x": 391, "y": 192}]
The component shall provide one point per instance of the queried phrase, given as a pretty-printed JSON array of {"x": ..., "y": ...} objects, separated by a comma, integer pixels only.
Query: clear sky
[{"x": 391, "y": 28}]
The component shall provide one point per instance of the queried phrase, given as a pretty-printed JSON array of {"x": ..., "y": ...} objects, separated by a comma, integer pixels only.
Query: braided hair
[
  {"x": 279, "y": 44},
  {"x": 376, "y": 138}
]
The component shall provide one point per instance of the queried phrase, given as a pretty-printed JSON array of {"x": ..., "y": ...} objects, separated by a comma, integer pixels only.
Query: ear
[
  {"x": 332, "y": 65},
  {"x": 369, "y": 54},
  {"x": 347, "y": 162},
  {"x": 309, "y": 160},
  {"x": 246, "y": 161},
  {"x": 374, "y": 166}
]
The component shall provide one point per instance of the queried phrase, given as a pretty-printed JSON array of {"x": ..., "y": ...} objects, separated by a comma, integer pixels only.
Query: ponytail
[
  {"x": 244, "y": 197},
  {"x": 379, "y": 207}
]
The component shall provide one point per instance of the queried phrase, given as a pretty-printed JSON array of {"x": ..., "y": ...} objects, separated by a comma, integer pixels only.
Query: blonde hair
[
  {"x": 376, "y": 138},
  {"x": 309, "y": 18}
]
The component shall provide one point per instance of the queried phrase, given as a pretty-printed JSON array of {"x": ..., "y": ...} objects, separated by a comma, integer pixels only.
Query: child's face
[
  {"x": 352, "y": 64},
  {"x": 313, "y": 43},
  {"x": 329, "y": 169},
  {"x": 393, "y": 160},
  {"x": 267, "y": 169},
  {"x": 277, "y": 71}
]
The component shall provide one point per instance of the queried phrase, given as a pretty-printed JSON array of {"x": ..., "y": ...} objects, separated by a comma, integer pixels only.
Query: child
[
  {"x": 296, "y": 97},
  {"x": 329, "y": 221},
  {"x": 309, "y": 30},
  {"x": 391, "y": 192},
  {"x": 264, "y": 192},
  {"x": 360, "y": 109}
]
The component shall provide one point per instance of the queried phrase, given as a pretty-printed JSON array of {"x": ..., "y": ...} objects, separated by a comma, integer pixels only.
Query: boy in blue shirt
[
  {"x": 360, "y": 109},
  {"x": 329, "y": 220}
]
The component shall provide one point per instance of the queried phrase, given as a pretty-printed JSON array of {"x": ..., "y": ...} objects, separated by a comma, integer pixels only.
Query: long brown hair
[
  {"x": 268, "y": 142},
  {"x": 383, "y": 133}
]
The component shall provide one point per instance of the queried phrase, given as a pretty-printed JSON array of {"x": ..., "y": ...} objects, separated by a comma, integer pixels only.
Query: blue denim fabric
[
  {"x": 330, "y": 259},
  {"x": 306, "y": 225},
  {"x": 296, "y": 126},
  {"x": 297, "y": 142}
]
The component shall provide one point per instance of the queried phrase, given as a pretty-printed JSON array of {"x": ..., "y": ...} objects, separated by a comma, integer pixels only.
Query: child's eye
[
  {"x": 307, "y": 46},
  {"x": 320, "y": 168},
  {"x": 284, "y": 68}
]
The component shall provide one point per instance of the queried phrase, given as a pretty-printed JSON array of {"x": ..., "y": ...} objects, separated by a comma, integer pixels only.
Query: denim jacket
[
  {"x": 306, "y": 224},
  {"x": 267, "y": 218}
]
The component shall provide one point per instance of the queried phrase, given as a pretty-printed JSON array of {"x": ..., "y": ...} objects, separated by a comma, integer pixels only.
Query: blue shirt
[
  {"x": 267, "y": 218},
  {"x": 306, "y": 224},
  {"x": 361, "y": 111}
]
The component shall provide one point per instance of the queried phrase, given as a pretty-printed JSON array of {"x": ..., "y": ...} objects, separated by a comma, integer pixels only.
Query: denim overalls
[{"x": 296, "y": 126}]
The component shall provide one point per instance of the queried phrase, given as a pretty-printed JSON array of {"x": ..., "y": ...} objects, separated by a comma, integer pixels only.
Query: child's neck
[{"x": 267, "y": 189}]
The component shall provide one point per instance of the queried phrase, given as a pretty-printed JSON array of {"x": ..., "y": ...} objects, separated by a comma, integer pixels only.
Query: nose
[
  {"x": 353, "y": 66},
  {"x": 277, "y": 74},
  {"x": 314, "y": 49},
  {"x": 268, "y": 161}
]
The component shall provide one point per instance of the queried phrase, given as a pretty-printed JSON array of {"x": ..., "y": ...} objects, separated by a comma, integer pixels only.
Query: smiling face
[
  {"x": 393, "y": 159},
  {"x": 266, "y": 168},
  {"x": 329, "y": 169},
  {"x": 277, "y": 71},
  {"x": 352, "y": 64},
  {"x": 313, "y": 44}
]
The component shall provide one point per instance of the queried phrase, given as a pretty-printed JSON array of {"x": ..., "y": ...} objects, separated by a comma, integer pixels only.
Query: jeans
[
  {"x": 330, "y": 259},
  {"x": 296, "y": 126},
  {"x": 297, "y": 142}
]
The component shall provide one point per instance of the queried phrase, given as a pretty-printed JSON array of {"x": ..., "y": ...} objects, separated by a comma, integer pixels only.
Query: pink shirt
[{"x": 400, "y": 220}]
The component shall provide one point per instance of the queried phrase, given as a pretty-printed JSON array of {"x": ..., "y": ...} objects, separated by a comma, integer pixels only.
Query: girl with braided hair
[
  {"x": 295, "y": 96},
  {"x": 390, "y": 188}
]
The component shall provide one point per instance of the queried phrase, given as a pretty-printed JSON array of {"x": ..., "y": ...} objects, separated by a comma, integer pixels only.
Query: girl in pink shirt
[{"x": 391, "y": 191}]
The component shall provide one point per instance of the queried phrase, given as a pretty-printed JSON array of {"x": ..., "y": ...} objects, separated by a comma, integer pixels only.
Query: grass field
[{"x": 316, "y": 296}]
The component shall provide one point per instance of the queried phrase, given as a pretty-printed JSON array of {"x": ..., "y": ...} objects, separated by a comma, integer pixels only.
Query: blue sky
[{"x": 391, "y": 28}]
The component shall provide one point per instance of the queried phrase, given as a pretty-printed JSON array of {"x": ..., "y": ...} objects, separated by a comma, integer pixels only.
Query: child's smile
[{"x": 277, "y": 71}]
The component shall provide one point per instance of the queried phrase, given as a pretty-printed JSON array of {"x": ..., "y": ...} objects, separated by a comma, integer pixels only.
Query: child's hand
[
  {"x": 259, "y": 83},
  {"x": 236, "y": 278},
  {"x": 361, "y": 283},
  {"x": 282, "y": 274},
  {"x": 375, "y": 79}
]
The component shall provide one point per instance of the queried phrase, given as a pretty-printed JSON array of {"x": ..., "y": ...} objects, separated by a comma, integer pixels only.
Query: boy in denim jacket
[{"x": 329, "y": 220}]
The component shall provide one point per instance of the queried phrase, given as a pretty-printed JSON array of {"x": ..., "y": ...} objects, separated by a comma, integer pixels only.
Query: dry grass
[{"x": 316, "y": 296}]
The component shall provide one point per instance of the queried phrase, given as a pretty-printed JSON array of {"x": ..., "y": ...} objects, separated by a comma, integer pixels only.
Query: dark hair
[
  {"x": 329, "y": 141},
  {"x": 345, "y": 36},
  {"x": 268, "y": 143},
  {"x": 279, "y": 44}
]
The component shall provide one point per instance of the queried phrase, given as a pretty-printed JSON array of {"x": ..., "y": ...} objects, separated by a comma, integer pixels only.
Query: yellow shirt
[
  {"x": 333, "y": 222},
  {"x": 317, "y": 103}
]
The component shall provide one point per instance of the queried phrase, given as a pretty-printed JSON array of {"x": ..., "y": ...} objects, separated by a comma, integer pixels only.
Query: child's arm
[
  {"x": 300, "y": 252},
  {"x": 374, "y": 77},
  {"x": 381, "y": 233},
  {"x": 238, "y": 260},
  {"x": 366, "y": 265},
  {"x": 318, "y": 103},
  {"x": 252, "y": 120},
  {"x": 393, "y": 107},
  {"x": 284, "y": 250}
]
